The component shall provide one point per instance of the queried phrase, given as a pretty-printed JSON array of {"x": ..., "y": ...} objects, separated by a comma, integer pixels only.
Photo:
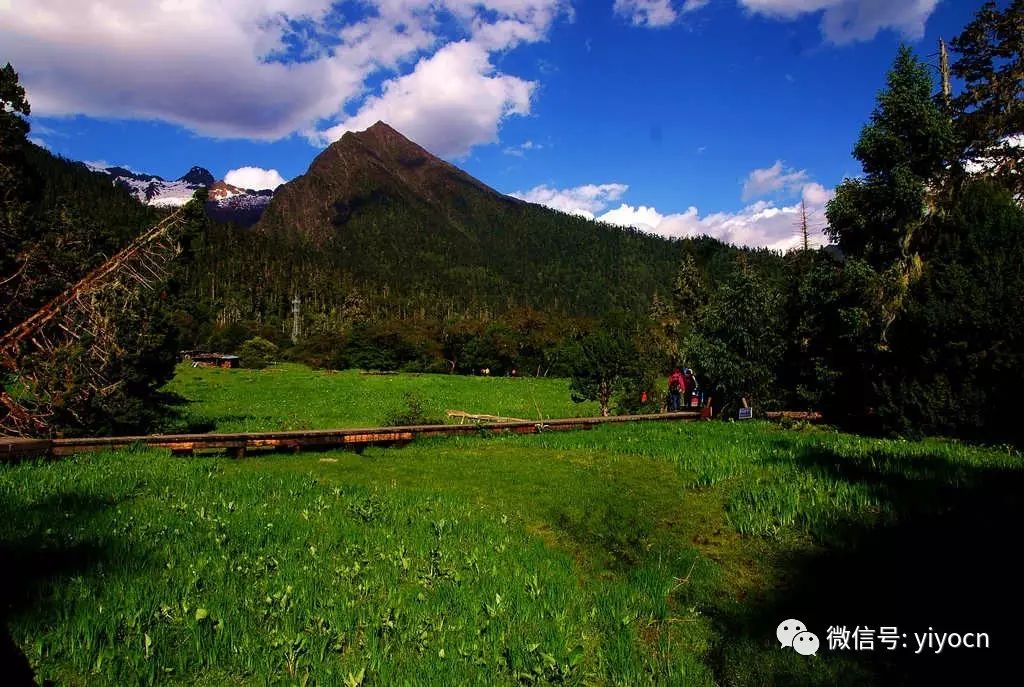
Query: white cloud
[
  {"x": 521, "y": 149},
  {"x": 652, "y": 13},
  {"x": 216, "y": 68},
  {"x": 846, "y": 21},
  {"x": 814, "y": 194},
  {"x": 152, "y": 60},
  {"x": 255, "y": 178},
  {"x": 656, "y": 13},
  {"x": 762, "y": 224},
  {"x": 450, "y": 102},
  {"x": 643, "y": 217},
  {"x": 787, "y": 9},
  {"x": 842, "y": 21},
  {"x": 39, "y": 142},
  {"x": 582, "y": 200},
  {"x": 769, "y": 180}
]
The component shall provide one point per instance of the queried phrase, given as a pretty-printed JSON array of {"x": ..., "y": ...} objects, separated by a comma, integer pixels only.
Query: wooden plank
[
  {"x": 17, "y": 448},
  {"x": 525, "y": 430},
  {"x": 378, "y": 437},
  {"x": 274, "y": 443},
  {"x": 240, "y": 442},
  {"x": 63, "y": 451},
  {"x": 805, "y": 415}
]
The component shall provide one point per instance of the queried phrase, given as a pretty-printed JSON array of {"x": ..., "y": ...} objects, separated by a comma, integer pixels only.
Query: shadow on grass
[
  {"x": 33, "y": 561},
  {"x": 943, "y": 559}
]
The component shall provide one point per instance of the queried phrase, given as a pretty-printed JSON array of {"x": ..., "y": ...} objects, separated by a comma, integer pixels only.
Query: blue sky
[{"x": 678, "y": 116}]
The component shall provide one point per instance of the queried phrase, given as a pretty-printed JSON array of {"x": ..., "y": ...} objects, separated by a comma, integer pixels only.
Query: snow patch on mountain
[
  {"x": 173, "y": 194},
  {"x": 149, "y": 188},
  {"x": 226, "y": 201}
]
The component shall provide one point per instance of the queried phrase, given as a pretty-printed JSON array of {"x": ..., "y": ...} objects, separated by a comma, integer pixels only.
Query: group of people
[{"x": 682, "y": 389}]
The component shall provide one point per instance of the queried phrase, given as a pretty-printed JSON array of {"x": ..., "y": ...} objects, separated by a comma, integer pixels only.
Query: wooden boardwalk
[{"x": 238, "y": 444}]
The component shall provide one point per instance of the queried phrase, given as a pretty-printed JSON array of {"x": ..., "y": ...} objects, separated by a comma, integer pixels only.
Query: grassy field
[
  {"x": 295, "y": 397},
  {"x": 661, "y": 553}
]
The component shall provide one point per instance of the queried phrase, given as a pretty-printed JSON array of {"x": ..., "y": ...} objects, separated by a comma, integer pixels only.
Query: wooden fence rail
[{"x": 237, "y": 444}]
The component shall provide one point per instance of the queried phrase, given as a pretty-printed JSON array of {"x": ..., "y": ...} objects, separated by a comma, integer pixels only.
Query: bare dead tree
[
  {"x": 947, "y": 90},
  {"x": 81, "y": 319},
  {"x": 804, "y": 226},
  {"x": 804, "y": 234}
]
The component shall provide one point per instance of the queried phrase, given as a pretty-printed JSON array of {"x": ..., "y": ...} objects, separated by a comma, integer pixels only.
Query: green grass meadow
[
  {"x": 642, "y": 554},
  {"x": 290, "y": 396}
]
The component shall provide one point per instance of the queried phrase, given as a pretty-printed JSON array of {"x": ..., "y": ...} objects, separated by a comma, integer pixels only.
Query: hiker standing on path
[{"x": 676, "y": 387}]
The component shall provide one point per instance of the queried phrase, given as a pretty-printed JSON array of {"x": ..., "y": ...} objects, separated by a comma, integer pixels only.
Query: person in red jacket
[{"x": 676, "y": 387}]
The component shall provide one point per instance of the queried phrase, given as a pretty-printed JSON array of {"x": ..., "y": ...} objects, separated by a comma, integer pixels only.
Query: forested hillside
[
  {"x": 400, "y": 259},
  {"x": 379, "y": 221}
]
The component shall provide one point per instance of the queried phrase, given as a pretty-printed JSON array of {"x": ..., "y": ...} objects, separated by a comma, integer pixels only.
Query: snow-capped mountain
[
  {"x": 226, "y": 202},
  {"x": 154, "y": 190}
]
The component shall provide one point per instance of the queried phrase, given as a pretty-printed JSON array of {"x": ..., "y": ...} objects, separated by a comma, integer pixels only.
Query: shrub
[
  {"x": 409, "y": 413},
  {"x": 257, "y": 353}
]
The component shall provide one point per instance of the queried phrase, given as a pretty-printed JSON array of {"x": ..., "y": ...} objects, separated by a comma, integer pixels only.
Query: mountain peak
[
  {"x": 381, "y": 136},
  {"x": 381, "y": 125},
  {"x": 364, "y": 168},
  {"x": 198, "y": 176}
]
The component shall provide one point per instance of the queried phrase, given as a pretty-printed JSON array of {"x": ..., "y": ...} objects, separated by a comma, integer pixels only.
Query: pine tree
[
  {"x": 15, "y": 182},
  {"x": 688, "y": 286},
  {"x": 904, "y": 150},
  {"x": 990, "y": 110}
]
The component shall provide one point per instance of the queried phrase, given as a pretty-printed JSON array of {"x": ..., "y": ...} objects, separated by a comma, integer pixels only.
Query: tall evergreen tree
[
  {"x": 990, "y": 109},
  {"x": 688, "y": 288},
  {"x": 903, "y": 151},
  {"x": 928, "y": 299},
  {"x": 15, "y": 184},
  {"x": 957, "y": 360}
]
